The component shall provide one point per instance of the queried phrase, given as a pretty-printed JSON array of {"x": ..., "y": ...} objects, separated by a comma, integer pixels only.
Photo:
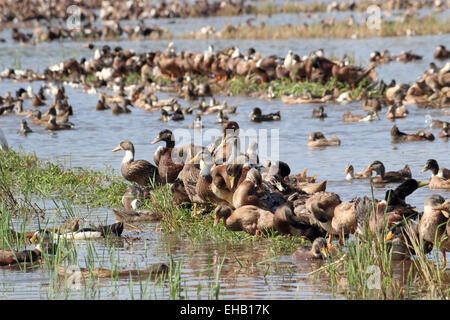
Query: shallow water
[{"x": 97, "y": 133}]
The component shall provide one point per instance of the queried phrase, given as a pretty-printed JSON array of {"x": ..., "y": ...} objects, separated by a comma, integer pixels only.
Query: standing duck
[
  {"x": 434, "y": 225},
  {"x": 168, "y": 169},
  {"x": 139, "y": 171}
]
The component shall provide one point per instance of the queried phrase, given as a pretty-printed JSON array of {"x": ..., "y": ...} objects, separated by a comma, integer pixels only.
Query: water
[{"x": 97, "y": 133}]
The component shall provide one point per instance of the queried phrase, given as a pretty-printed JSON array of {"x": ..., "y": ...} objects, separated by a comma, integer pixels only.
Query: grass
[
  {"x": 349, "y": 270},
  {"x": 339, "y": 29}
]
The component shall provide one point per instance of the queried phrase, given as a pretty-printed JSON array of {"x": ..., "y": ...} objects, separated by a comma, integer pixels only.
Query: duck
[
  {"x": 151, "y": 271},
  {"x": 257, "y": 116},
  {"x": 101, "y": 104},
  {"x": 396, "y": 112},
  {"x": 296, "y": 222},
  {"x": 18, "y": 109},
  {"x": 349, "y": 117},
  {"x": 441, "y": 52},
  {"x": 390, "y": 176},
  {"x": 52, "y": 125},
  {"x": 116, "y": 109},
  {"x": 350, "y": 173},
  {"x": 440, "y": 177},
  {"x": 249, "y": 218},
  {"x": 396, "y": 199},
  {"x": 319, "y": 113},
  {"x": 11, "y": 257},
  {"x": 37, "y": 100},
  {"x": 223, "y": 149},
  {"x": 444, "y": 132},
  {"x": 317, "y": 139},
  {"x": 136, "y": 215},
  {"x": 204, "y": 180},
  {"x": 140, "y": 171},
  {"x": 3, "y": 142},
  {"x": 24, "y": 128},
  {"x": 246, "y": 192},
  {"x": 398, "y": 136},
  {"x": 100, "y": 232},
  {"x": 168, "y": 169},
  {"x": 316, "y": 251},
  {"x": 197, "y": 124},
  {"x": 221, "y": 117},
  {"x": 333, "y": 215},
  {"x": 434, "y": 224}
]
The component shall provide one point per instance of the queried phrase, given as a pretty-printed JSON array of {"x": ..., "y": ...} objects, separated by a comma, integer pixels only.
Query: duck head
[{"x": 165, "y": 135}]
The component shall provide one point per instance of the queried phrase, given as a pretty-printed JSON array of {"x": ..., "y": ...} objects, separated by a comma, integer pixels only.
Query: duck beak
[
  {"x": 157, "y": 139},
  {"x": 324, "y": 252},
  {"x": 232, "y": 180},
  {"x": 216, "y": 220},
  {"x": 33, "y": 239},
  {"x": 251, "y": 114},
  {"x": 445, "y": 213},
  {"x": 117, "y": 148},
  {"x": 425, "y": 168},
  {"x": 279, "y": 186},
  {"x": 422, "y": 183},
  {"x": 389, "y": 236},
  {"x": 194, "y": 159}
]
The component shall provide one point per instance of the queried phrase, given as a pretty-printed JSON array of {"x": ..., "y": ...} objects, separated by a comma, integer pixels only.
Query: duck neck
[
  {"x": 170, "y": 144},
  {"x": 350, "y": 175},
  {"x": 205, "y": 169},
  {"x": 129, "y": 156}
]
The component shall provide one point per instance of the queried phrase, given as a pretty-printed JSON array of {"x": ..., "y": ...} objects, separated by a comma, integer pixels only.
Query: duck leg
[
  {"x": 330, "y": 238},
  {"x": 444, "y": 258},
  {"x": 195, "y": 209}
]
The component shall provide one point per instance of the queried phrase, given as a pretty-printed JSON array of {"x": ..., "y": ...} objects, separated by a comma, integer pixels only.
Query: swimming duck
[
  {"x": 319, "y": 113},
  {"x": 390, "y": 176},
  {"x": 408, "y": 56},
  {"x": 24, "y": 128},
  {"x": 139, "y": 171},
  {"x": 434, "y": 225},
  {"x": 221, "y": 117},
  {"x": 396, "y": 112},
  {"x": 444, "y": 132},
  {"x": 370, "y": 104},
  {"x": 249, "y": 219},
  {"x": 350, "y": 173},
  {"x": 101, "y": 104},
  {"x": 18, "y": 109},
  {"x": 135, "y": 215},
  {"x": 398, "y": 136},
  {"x": 9, "y": 257},
  {"x": 52, "y": 125},
  {"x": 197, "y": 124},
  {"x": 37, "y": 99},
  {"x": 349, "y": 117},
  {"x": 100, "y": 232},
  {"x": 257, "y": 116},
  {"x": 441, "y": 52},
  {"x": 316, "y": 251},
  {"x": 116, "y": 109},
  {"x": 168, "y": 169},
  {"x": 317, "y": 139},
  {"x": 440, "y": 177}
]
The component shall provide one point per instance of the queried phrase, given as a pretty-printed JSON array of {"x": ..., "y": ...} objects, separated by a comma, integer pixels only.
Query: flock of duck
[{"x": 254, "y": 198}]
